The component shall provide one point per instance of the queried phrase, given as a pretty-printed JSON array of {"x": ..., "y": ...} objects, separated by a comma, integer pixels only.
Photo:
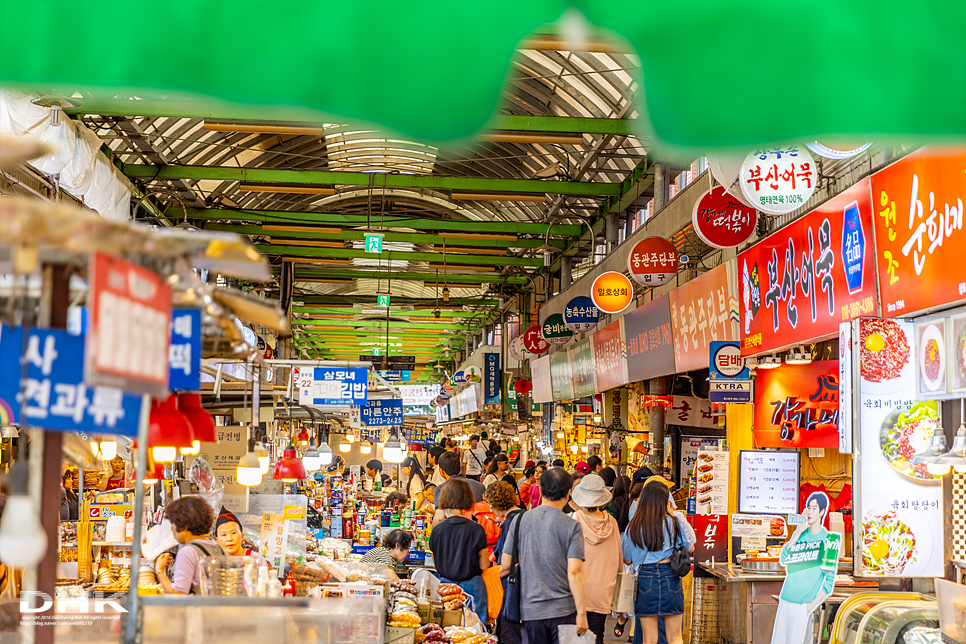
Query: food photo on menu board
[
  {"x": 901, "y": 503},
  {"x": 711, "y": 472}
]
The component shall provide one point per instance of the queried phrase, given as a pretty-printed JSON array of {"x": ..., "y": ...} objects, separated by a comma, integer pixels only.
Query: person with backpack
[
  {"x": 503, "y": 502},
  {"x": 191, "y": 519}
]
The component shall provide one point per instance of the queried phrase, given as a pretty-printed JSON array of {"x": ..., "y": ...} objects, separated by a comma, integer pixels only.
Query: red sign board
[
  {"x": 653, "y": 261},
  {"x": 797, "y": 405},
  {"x": 711, "y": 531},
  {"x": 127, "y": 345},
  {"x": 610, "y": 357},
  {"x": 701, "y": 311},
  {"x": 919, "y": 238},
  {"x": 801, "y": 282},
  {"x": 722, "y": 220},
  {"x": 533, "y": 340}
]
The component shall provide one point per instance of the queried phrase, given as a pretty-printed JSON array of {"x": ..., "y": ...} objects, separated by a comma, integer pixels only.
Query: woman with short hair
[{"x": 191, "y": 519}]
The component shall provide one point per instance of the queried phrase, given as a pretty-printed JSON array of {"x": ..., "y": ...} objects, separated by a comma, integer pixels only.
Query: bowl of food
[
  {"x": 932, "y": 359},
  {"x": 906, "y": 432},
  {"x": 884, "y": 355},
  {"x": 889, "y": 545}
]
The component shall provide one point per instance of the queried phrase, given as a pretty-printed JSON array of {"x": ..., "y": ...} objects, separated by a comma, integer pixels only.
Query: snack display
[
  {"x": 904, "y": 434},
  {"x": 889, "y": 544}
]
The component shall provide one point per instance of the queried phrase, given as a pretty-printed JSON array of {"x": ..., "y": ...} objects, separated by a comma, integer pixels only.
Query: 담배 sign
[
  {"x": 381, "y": 413},
  {"x": 778, "y": 180},
  {"x": 127, "y": 344},
  {"x": 184, "y": 351},
  {"x": 722, "y": 220},
  {"x": 57, "y": 397},
  {"x": 653, "y": 261},
  {"x": 730, "y": 378},
  {"x": 580, "y": 314},
  {"x": 811, "y": 560},
  {"x": 334, "y": 386},
  {"x": 612, "y": 292},
  {"x": 555, "y": 331}
]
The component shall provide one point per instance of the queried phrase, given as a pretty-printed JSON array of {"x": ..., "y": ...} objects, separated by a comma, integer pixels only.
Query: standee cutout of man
[{"x": 811, "y": 559}]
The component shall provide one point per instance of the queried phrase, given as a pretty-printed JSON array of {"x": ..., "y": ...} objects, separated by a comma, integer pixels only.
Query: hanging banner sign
[
  {"x": 534, "y": 342},
  {"x": 919, "y": 238},
  {"x": 418, "y": 395},
  {"x": 801, "y": 282},
  {"x": 653, "y": 261},
  {"x": 711, "y": 531},
  {"x": 692, "y": 412},
  {"x": 798, "y": 405},
  {"x": 127, "y": 344},
  {"x": 723, "y": 221},
  {"x": 555, "y": 331},
  {"x": 778, "y": 180},
  {"x": 491, "y": 376},
  {"x": 582, "y": 364},
  {"x": 561, "y": 378},
  {"x": 703, "y": 310},
  {"x": 334, "y": 386},
  {"x": 650, "y": 348},
  {"x": 610, "y": 356},
  {"x": 57, "y": 397},
  {"x": 184, "y": 350},
  {"x": 381, "y": 413},
  {"x": 581, "y": 315},
  {"x": 540, "y": 376},
  {"x": 612, "y": 292}
]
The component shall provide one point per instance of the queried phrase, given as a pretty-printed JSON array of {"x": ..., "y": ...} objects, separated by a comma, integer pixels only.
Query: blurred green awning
[{"x": 713, "y": 73}]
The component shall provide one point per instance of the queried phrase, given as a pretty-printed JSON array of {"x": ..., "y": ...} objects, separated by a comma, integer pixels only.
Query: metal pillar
[
  {"x": 661, "y": 185},
  {"x": 610, "y": 231},
  {"x": 566, "y": 273},
  {"x": 655, "y": 417}
]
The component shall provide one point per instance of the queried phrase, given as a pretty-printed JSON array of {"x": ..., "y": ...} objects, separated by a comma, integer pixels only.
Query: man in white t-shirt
[{"x": 473, "y": 458}]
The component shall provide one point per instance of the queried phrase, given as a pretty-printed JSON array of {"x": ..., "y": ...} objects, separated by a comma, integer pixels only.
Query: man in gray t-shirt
[{"x": 551, "y": 554}]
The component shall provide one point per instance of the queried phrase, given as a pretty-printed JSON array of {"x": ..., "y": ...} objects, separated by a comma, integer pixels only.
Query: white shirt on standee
[{"x": 474, "y": 466}]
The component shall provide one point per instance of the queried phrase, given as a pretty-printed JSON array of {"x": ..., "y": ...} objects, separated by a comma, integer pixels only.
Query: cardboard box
[
  {"x": 452, "y": 618},
  {"x": 397, "y": 635}
]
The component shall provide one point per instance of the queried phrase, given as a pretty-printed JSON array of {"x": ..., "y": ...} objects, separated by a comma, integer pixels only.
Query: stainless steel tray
[{"x": 752, "y": 565}]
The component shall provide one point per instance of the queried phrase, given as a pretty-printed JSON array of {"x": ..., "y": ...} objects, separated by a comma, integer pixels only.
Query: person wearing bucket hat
[{"x": 602, "y": 549}]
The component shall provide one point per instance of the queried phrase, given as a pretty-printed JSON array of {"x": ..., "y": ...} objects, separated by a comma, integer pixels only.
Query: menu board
[
  {"x": 768, "y": 482},
  {"x": 712, "y": 481}
]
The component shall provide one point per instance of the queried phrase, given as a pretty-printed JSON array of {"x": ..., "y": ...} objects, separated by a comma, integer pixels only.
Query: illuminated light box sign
[
  {"x": 722, "y": 220},
  {"x": 768, "y": 482},
  {"x": 798, "y": 405}
]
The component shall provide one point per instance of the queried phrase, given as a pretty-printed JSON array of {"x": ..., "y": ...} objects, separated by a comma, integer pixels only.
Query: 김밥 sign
[
  {"x": 650, "y": 349},
  {"x": 920, "y": 243},
  {"x": 778, "y": 180},
  {"x": 333, "y": 386},
  {"x": 653, "y": 261},
  {"x": 580, "y": 314},
  {"x": 802, "y": 281},
  {"x": 612, "y": 292},
  {"x": 722, "y": 220},
  {"x": 703, "y": 310},
  {"x": 127, "y": 344},
  {"x": 798, "y": 405},
  {"x": 768, "y": 482}
]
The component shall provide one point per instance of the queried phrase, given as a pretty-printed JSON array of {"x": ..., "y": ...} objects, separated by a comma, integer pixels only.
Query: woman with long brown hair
[
  {"x": 620, "y": 504},
  {"x": 654, "y": 532}
]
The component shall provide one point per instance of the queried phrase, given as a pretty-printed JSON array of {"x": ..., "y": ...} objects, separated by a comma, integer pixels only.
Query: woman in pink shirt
[
  {"x": 535, "y": 497},
  {"x": 602, "y": 549}
]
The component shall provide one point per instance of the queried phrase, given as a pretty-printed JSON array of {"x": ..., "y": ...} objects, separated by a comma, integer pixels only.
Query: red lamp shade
[
  {"x": 289, "y": 467},
  {"x": 522, "y": 386},
  {"x": 168, "y": 430},
  {"x": 202, "y": 423},
  {"x": 303, "y": 437}
]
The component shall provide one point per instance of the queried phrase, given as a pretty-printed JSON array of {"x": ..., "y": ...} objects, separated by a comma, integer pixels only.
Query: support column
[
  {"x": 610, "y": 231},
  {"x": 661, "y": 185},
  {"x": 566, "y": 273},
  {"x": 629, "y": 223},
  {"x": 655, "y": 417}
]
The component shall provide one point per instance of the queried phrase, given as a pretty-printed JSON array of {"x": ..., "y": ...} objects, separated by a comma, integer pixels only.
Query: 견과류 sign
[
  {"x": 380, "y": 413},
  {"x": 778, "y": 180},
  {"x": 722, "y": 220},
  {"x": 653, "y": 261}
]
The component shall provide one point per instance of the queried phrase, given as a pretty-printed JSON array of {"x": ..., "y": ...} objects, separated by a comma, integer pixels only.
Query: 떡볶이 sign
[
  {"x": 722, "y": 220},
  {"x": 650, "y": 348},
  {"x": 703, "y": 310},
  {"x": 653, "y": 261},
  {"x": 798, "y": 405},
  {"x": 582, "y": 364},
  {"x": 612, "y": 292},
  {"x": 57, "y": 397},
  {"x": 580, "y": 314},
  {"x": 127, "y": 344},
  {"x": 610, "y": 356},
  {"x": 534, "y": 342},
  {"x": 920, "y": 243},
  {"x": 801, "y": 282},
  {"x": 555, "y": 331},
  {"x": 778, "y": 180},
  {"x": 184, "y": 351}
]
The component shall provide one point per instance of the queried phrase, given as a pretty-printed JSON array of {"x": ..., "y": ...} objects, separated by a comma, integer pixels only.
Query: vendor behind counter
[{"x": 394, "y": 550}]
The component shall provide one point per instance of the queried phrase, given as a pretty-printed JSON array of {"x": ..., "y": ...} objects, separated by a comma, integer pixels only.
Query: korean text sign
[
  {"x": 650, "y": 349},
  {"x": 610, "y": 356},
  {"x": 491, "y": 376},
  {"x": 561, "y": 380},
  {"x": 184, "y": 351},
  {"x": 798, "y": 405},
  {"x": 802, "y": 281},
  {"x": 57, "y": 397},
  {"x": 127, "y": 345},
  {"x": 768, "y": 482},
  {"x": 582, "y": 364},
  {"x": 919, "y": 237},
  {"x": 335, "y": 386},
  {"x": 703, "y": 310},
  {"x": 382, "y": 412}
]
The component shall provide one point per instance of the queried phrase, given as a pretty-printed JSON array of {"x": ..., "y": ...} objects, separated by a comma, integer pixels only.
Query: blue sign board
[
  {"x": 853, "y": 247},
  {"x": 491, "y": 377},
  {"x": 334, "y": 386},
  {"x": 377, "y": 413},
  {"x": 57, "y": 397},
  {"x": 459, "y": 378},
  {"x": 581, "y": 314},
  {"x": 184, "y": 351},
  {"x": 730, "y": 378},
  {"x": 396, "y": 376}
]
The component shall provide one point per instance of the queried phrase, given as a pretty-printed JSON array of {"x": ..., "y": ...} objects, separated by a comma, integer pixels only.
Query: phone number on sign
[{"x": 853, "y": 310}]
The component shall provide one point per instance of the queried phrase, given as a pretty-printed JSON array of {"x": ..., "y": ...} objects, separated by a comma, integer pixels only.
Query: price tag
[{"x": 753, "y": 543}]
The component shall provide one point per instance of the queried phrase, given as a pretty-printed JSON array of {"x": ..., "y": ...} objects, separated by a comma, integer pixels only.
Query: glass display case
[{"x": 884, "y": 618}]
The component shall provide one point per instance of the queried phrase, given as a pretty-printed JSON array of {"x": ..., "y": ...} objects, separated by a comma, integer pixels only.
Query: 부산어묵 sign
[
  {"x": 334, "y": 386},
  {"x": 778, "y": 180},
  {"x": 580, "y": 314},
  {"x": 801, "y": 282},
  {"x": 56, "y": 396},
  {"x": 920, "y": 243}
]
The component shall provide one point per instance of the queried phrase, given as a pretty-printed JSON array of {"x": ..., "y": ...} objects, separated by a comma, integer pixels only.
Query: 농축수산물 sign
[{"x": 580, "y": 314}]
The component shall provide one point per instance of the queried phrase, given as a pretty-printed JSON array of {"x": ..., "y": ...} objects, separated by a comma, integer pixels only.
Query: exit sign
[
  {"x": 382, "y": 301},
  {"x": 374, "y": 243}
]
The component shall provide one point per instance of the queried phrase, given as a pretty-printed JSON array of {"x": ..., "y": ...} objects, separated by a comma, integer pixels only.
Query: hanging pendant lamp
[
  {"x": 289, "y": 468},
  {"x": 168, "y": 431}
]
